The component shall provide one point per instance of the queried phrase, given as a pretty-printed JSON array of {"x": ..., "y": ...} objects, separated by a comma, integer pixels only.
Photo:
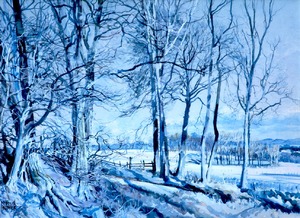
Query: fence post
[{"x": 130, "y": 162}]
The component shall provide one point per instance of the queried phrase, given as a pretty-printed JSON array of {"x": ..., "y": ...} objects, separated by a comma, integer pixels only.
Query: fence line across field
[
  {"x": 130, "y": 164},
  {"x": 219, "y": 160}
]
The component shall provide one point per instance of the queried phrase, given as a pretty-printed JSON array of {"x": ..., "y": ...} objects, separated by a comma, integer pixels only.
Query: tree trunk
[
  {"x": 153, "y": 82},
  {"x": 164, "y": 162},
  {"x": 205, "y": 127},
  {"x": 246, "y": 141},
  {"x": 82, "y": 156},
  {"x": 166, "y": 153},
  {"x": 161, "y": 141},
  {"x": 16, "y": 168},
  {"x": 184, "y": 135},
  {"x": 89, "y": 102},
  {"x": 215, "y": 124},
  {"x": 50, "y": 194},
  {"x": 243, "y": 183},
  {"x": 25, "y": 103},
  {"x": 215, "y": 144},
  {"x": 156, "y": 161},
  {"x": 74, "y": 118}
]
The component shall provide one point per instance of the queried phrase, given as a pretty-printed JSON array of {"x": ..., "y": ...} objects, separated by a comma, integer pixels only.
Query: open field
[{"x": 284, "y": 176}]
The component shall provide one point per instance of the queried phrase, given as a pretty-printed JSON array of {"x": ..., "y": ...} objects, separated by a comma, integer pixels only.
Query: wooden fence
[{"x": 130, "y": 165}]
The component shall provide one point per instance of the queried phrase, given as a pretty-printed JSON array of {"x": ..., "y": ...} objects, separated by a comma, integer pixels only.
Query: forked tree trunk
[
  {"x": 86, "y": 103},
  {"x": 215, "y": 125},
  {"x": 246, "y": 131},
  {"x": 163, "y": 145},
  {"x": 153, "y": 82}
]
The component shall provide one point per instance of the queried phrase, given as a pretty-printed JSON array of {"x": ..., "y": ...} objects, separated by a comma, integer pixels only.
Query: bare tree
[
  {"x": 20, "y": 79},
  {"x": 214, "y": 62},
  {"x": 190, "y": 82},
  {"x": 70, "y": 36},
  {"x": 222, "y": 41},
  {"x": 162, "y": 24},
  {"x": 257, "y": 88},
  {"x": 84, "y": 29}
]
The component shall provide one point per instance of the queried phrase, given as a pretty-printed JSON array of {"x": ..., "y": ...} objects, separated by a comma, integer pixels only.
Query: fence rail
[{"x": 142, "y": 165}]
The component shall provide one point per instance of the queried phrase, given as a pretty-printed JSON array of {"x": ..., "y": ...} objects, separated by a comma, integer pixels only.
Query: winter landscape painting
[{"x": 149, "y": 108}]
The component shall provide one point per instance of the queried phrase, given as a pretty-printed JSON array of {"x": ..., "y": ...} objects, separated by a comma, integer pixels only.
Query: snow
[
  {"x": 201, "y": 204},
  {"x": 197, "y": 204},
  {"x": 141, "y": 189},
  {"x": 159, "y": 189},
  {"x": 285, "y": 176}
]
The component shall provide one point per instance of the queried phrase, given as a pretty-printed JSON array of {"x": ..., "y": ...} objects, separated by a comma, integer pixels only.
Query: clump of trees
[
  {"x": 187, "y": 55},
  {"x": 230, "y": 150},
  {"x": 58, "y": 61},
  {"x": 53, "y": 57}
]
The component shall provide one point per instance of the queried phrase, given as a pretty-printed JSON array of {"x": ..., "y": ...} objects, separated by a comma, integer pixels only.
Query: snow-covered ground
[
  {"x": 176, "y": 202},
  {"x": 285, "y": 176},
  {"x": 121, "y": 193}
]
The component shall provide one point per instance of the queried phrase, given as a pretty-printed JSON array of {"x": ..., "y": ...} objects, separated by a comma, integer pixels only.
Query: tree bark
[
  {"x": 184, "y": 135},
  {"x": 163, "y": 145},
  {"x": 155, "y": 140},
  {"x": 246, "y": 141},
  {"x": 215, "y": 123},
  {"x": 150, "y": 35},
  {"x": 14, "y": 174},
  {"x": 26, "y": 104},
  {"x": 206, "y": 122}
]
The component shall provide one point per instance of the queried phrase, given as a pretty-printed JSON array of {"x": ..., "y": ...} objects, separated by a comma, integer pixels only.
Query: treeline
[{"x": 230, "y": 151}]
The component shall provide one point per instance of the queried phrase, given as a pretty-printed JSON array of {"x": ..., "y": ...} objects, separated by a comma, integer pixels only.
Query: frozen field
[{"x": 285, "y": 176}]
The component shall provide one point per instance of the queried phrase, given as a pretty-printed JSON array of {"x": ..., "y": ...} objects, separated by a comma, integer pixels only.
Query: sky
[
  {"x": 286, "y": 25},
  {"x": 284, "y": 124}
]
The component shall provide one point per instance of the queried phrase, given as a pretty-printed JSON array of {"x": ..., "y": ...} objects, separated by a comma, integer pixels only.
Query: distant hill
[{"x": 281, "y": 142}]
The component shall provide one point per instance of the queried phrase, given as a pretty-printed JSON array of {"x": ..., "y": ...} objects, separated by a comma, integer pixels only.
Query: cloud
[{"x": 284, "y": 127}]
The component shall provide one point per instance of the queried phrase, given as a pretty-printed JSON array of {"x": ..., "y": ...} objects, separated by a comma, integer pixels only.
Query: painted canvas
[{"x": 149, "y": 108}]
